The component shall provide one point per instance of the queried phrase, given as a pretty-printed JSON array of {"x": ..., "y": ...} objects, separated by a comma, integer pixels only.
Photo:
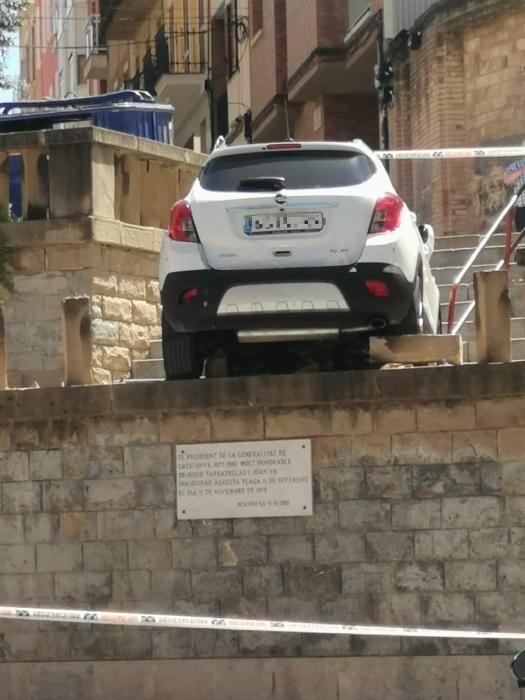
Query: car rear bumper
[{"x": 200, "y": 312}]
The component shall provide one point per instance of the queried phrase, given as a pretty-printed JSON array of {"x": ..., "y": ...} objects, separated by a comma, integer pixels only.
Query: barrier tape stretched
[
  {"x": 443, "y": 153},
  {"x": 90, "y": 617}
]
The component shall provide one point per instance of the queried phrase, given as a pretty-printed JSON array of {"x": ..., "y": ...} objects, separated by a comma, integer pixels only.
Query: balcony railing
[
  {"x": 94, "y": 40},
  {"x": 172, "y": 54}
]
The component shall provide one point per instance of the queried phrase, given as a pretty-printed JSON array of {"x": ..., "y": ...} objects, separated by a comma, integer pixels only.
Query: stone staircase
[{"x": 450, "y": 255}]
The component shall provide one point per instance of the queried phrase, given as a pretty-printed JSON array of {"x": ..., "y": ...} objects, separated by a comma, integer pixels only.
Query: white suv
[{"x": 284, "y": 253}]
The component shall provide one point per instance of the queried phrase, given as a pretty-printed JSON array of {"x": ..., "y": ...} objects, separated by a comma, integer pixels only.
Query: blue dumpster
[{"x": 130, "y": 111}]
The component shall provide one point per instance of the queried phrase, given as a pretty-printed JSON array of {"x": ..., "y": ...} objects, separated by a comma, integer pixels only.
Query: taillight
[
  {"x": 181, "y": 227},
  {"x": 377, "y": 288},
  {"x": 387, "y": 214},
  {"x": 189, "y": 295}
]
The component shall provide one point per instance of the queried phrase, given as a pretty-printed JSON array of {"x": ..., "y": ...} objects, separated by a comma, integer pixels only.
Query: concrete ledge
[
  {"x": 417, "y": 349},
  {"x": 425, "y": 384},
  {"x": 459, "y": 678},
  {"x": 89, "y": 134},
  {"x": 78, "y": 230}
]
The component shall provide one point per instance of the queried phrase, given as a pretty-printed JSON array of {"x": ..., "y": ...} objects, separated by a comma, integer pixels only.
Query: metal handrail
[{"x": 452, "y": 327}]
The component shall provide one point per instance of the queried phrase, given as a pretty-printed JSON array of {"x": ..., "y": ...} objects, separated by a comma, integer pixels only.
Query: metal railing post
[{"x": 507, "y": 211}]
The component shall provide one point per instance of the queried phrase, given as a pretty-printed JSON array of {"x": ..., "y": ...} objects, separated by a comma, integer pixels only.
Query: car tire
[
  {"x": 414, "y": 321},
  {"x": 183, "y": 358}
]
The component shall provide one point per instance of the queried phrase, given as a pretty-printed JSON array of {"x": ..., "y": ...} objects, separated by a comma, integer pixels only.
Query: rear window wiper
[{"x": 252, "y": 184}]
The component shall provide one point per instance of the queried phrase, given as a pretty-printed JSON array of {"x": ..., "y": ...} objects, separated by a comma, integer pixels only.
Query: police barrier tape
[
  {"x": 443, "y": 153},
  {"x": 90, "y": 617}
]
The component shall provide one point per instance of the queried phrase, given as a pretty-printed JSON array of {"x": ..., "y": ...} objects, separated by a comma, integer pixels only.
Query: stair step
[
  {"x": 491, "y": 255},
  {"x": 517, "y": 349},
  {"x": 468, "y": 241},
  {"x": 155, "y": 350},
  {"x": 446, "y": 275},
  {"x": 517, "y": 329},
  {"x": 148, "y": 369}
]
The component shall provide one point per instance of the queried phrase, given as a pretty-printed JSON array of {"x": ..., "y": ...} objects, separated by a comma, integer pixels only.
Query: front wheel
[
  {"x": 414, "y": 321},
  {"x": 183, "y": 357}
]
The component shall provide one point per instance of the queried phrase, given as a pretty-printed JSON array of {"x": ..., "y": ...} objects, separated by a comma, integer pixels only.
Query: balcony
[
  {"x": 173, "y": 69},
  {"x": 348, "y": 68},
  {"x": 119, "y": 18},
  {"x": 402, "y": 14},
  {"x": 96, "y": 59}
]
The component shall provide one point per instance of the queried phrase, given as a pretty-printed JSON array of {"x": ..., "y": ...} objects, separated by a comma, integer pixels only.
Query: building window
[
  {"x": 256, "y": 16},
  {"x": 356, "y": 9}
]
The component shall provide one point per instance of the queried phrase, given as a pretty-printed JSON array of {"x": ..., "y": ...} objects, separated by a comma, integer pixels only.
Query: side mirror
[
  {"x": 423, "y": 230},
  {"x": 518, "y": 668}
]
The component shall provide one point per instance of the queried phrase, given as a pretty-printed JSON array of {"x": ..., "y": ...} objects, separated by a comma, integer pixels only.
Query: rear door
[{"x": 295, "y": 207}]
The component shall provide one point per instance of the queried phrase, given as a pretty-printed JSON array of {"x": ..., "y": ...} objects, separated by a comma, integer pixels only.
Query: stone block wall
[
  {"x": 419, "y": 519},
  {"x": 94, "y": 211},
  {"x": 114, "y": 265}
]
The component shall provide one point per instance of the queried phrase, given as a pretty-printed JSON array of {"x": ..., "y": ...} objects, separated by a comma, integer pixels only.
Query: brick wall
[
  {"x": 301, "y": 22},
  {"x": 263, "y": 60},
  {"x": 312, "y": 24},
  {"x": 460, "y": 89},
  {"x": 419, "y": 517}
]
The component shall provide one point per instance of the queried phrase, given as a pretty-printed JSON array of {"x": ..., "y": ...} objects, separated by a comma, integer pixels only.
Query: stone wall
[
  {"x": 92, "y": 223},
  {"x": 419, "y": 518}
]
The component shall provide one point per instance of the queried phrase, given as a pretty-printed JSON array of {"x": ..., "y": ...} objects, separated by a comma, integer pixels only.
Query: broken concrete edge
[
  {"x": 445, "y": 383},
  {"x": 417, "y": 349}
]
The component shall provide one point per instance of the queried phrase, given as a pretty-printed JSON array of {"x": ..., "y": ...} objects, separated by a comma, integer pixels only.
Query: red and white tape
[
  {"x": 444, "y": 153},
  {"x": 97, "y": 617}
]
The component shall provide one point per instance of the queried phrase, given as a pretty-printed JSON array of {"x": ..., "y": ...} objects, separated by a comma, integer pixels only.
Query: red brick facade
[{"x": 304, "y": 40}]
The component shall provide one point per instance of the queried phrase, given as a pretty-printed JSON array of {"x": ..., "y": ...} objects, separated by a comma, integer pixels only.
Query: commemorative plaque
[{"x": 270, "y": 478}]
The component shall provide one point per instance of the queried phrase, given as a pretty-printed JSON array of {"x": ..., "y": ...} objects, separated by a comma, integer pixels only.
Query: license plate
[{"x": 282, "y": 223}]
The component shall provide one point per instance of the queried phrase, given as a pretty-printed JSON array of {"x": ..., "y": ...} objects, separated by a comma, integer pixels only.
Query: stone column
[{"x": 491, "y": 291}]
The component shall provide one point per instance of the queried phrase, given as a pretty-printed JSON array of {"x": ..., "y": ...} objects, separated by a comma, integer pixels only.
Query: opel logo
[{"x": 281, "y": 199}]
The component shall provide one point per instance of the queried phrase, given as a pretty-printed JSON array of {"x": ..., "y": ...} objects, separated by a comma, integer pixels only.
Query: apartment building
[
  {"x": 312, "y": 69},
  {"x": 57, "y": 38},
  {"x": 192, "y": 54},
  {"x": 38, "y": 56}
]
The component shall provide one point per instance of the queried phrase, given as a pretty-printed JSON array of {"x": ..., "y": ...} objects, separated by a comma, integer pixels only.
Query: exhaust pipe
[{"x": 377, "y": 324}]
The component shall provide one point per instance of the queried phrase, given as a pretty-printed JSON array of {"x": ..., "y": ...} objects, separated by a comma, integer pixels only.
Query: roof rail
[{"x": 220, "y": 143}]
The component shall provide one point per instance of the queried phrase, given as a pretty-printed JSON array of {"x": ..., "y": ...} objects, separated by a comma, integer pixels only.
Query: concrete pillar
[
  {"x": 103, "y": 180},
  {"x": 149, "y": 187},
  {"x": 76, "y": 335},
  {"x": 4, "y": 182},
  {"x": 3, "y": 359},
  {"x": 168, "y": 193},
  {"x": 127, "y": 190},
  {"x": 491, "y": 291},
  {"x": 70, "y": 180},
  {"x": 35, "y": 184}
]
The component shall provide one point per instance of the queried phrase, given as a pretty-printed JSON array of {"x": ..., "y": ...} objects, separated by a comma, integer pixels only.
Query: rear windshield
[{"x": 300, "y": 169}]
